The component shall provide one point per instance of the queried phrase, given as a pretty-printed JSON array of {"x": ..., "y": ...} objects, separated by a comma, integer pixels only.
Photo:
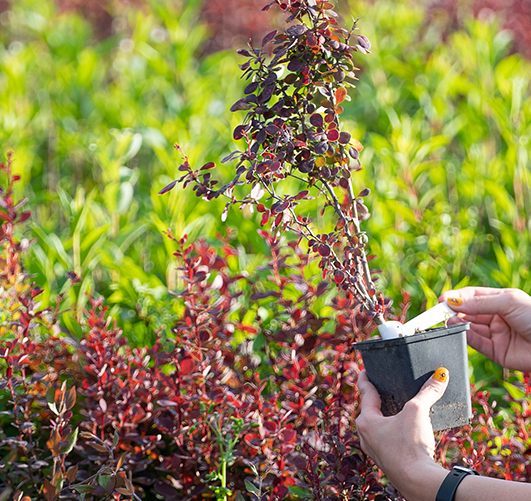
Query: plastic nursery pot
[{"x": 399, "y": 367}]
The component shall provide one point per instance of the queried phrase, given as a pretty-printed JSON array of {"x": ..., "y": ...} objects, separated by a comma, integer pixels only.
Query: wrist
[
  {"x": 420, "y": 480},
  {"x": 448, "y": 489}
]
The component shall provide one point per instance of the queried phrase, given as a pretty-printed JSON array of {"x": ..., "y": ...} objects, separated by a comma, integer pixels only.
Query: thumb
[{"x": 433, "y": 388}]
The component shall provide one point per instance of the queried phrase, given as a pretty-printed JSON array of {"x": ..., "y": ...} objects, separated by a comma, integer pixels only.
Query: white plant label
[{"x": 439, "y": 313}]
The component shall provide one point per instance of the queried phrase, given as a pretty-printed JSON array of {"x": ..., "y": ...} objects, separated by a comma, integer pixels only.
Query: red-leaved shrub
[{"x": 250, "y": 395}]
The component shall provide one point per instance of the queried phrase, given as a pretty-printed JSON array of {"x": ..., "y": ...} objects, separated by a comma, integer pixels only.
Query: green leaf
[
  {"x": 300, "y": 492},
  {"x": 104, "y": 479},
  {"x": 252, "y": 488},
  {"x": 115, "y": 439},
  {"x": 71, "y": 438},
  {"x": 514, "y": 391},
  {"x": 259, "y": 342},
  {"x": 50, "y": 394},
  {"x": 431, "y": 297},
  {"x": 50, "y": 398},
  {"x": 83, "y": 488},
  {"x": 239, "y": 497}
]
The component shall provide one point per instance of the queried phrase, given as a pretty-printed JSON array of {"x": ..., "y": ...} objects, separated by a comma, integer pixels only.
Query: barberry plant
[
  {"x": 251, "y": 396},
  {"x": 298, "y": 80}
]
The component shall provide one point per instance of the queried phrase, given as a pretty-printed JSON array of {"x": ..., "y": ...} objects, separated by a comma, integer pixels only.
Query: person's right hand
[{"x": 500, "y": 323}]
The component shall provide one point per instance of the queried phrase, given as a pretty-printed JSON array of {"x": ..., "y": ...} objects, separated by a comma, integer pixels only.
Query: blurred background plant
[{"x": 91, "y": 101}]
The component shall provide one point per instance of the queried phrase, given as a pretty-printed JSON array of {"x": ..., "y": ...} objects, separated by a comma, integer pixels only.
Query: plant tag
[{"x": 433, "y": 316}]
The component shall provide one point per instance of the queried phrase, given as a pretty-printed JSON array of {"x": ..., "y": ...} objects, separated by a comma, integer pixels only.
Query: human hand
[
  {"x": 403, "y": 445},
  {"x": 500, "y": 323}
]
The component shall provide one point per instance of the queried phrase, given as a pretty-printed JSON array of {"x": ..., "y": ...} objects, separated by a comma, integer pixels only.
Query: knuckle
[
  {"x": 414, "y": 406},
  {"x": 362, "y": 425},
  {"x": 517, "y": 295},
  {"x": 437, "y": 388}
]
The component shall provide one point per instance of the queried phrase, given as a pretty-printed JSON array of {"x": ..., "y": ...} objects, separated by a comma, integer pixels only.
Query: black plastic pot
[{"x": 399, "y": 367}]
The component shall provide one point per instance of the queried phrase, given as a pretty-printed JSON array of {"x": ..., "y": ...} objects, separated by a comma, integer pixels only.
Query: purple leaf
[
  {"x": 230, "y": 157},
  {"x": 321, "y": 148},
  {"x": 269, "y": 37},
  {"x": 241, "y": 104},
  {"x": 295, "y": 65},
  {"x": 364, "y": 42},
  {"x": 296, "y": 30},
  {"x": 251, "y": 88},
  {"x": 317, "y": 120},
  {"x": 167, "y": 188}
]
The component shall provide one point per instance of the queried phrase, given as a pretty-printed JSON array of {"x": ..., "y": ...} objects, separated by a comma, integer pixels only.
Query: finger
[
  {"x": 433, "y": 389},
  {"x": 485, "y": 301},
  {"x": 370, "y": 399},
  {"x": 457, "y": 319},
  {"x": 478, "y": 336},
  {"x": 480, "y": 342},
  {"x": 470, "y": 292},
  {"x": 476, "y": 319}
]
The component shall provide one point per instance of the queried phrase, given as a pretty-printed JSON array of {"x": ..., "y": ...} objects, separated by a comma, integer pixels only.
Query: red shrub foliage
[
  {"x": 251, "y": 394},
  {"x": 497, "y": 444},
  {"x": 176, "y": 405}
]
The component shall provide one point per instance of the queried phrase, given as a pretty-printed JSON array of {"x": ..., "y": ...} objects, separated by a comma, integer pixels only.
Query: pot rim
[{"x": 372, "y": 344}]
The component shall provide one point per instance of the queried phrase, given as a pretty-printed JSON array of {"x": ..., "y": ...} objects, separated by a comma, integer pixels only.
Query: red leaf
[
  {"x": 364, "y": 42},
  {"x": 5, "y": 217},
  {"x": 208, "y": 165},
  {"x": 48, "y": 490},
  {"x": 312, "y": 41},
  {"x": 301, "y": 195},
  {"x": 24, "y": 216},
  {"x": 270, "y": 426},
  {"x": 332, "y": 135},
  {"x": 260, "y": 207},
  {"x": 241, "y": 104},
  {"x": 357, "y": 144},
  {"x": 247, "y": 328},
  {"x": 339, "y": 277},
  {"x": 265, "y": 217},
  {"x": 186, "y": 365},
  {"x": 289, "y": 436}
]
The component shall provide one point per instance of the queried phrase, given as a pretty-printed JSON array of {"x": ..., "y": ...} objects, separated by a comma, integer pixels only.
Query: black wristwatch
[{"x": 451, "y": 482}]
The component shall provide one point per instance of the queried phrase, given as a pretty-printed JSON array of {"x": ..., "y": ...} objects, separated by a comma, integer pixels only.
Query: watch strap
[{"x": 450, "y": 484}]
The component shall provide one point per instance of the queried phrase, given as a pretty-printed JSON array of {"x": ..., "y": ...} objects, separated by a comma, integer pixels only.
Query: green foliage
[
  {"x": 92, "y": 125},
  {"x": 445, "y": 125},
  {"x": 447, "y": 128}
]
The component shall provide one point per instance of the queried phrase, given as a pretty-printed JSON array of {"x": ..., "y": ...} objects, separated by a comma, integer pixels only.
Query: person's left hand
[{"x": 402, "y": 445}]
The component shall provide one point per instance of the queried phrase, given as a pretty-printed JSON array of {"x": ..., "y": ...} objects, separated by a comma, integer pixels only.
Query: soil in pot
[{"x": 399, "y": 367}]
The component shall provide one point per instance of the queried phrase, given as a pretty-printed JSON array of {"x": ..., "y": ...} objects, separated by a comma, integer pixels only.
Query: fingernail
[
  {"x": 441, "y": 374},
  {"x": 455, "y": 301}
]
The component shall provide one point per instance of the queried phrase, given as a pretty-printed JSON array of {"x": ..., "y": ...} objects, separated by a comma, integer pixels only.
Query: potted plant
[{"x": 298, "y": 80}]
